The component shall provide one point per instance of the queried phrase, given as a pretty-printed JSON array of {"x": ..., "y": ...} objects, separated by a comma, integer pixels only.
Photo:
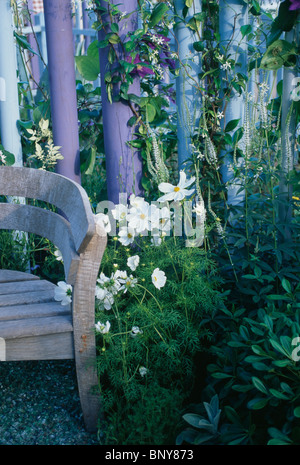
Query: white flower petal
[
  {"x": 132, "y": 262},
  {"x": 189, "y": 182},
  {"x": 167, "y": 197},
  {"x": 182, "y": 179},
  {"x": 165, "y": 187},
  {"x": 63, "y": 293},
  {"x": 158, "y": 278}
]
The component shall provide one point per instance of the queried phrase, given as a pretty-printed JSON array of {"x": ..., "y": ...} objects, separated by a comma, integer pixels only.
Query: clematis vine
[{"x": 142, "y": 68}]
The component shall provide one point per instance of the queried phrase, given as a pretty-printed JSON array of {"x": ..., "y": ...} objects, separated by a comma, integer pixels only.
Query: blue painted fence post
[
  {"x": 188, "y": 97},
  {"x": 61, "y": 69},
  {"x": 288, "y": 131},
  {"x": 233, "y": 15},
  {"x": 9, "y": 102}
]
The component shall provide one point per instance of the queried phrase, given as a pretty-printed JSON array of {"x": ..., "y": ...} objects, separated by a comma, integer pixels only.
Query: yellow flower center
[
  {"x": 155, "y": 278},
  {"x": 176, "y": 189},
  {"x": 129, "y": 236},
  {"x": 142, "y": 216}
]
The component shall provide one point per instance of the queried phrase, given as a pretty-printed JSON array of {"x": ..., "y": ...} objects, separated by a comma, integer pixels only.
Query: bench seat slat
[
  {"x": 29, "y": 327},
  {"x": 48, "y": 347},
  {"x": 17, "y": 312},
  {"x": 26, "y": 298},
  {"x": 7, "y": 276},
  {"x": 25, "y": 286}
]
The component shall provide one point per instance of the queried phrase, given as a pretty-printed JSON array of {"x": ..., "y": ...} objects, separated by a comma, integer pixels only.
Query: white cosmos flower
[
  {"x": 132, "y": 262},
  {"x": 63, "y": 293},
  {"x": 58, "y": 255},
  {"x": 139, "y": 217},
  {"x": 128, "y": 282},
  {"x": 126, "y": 235},
  {"x": 158, "y": 278},
  {"x": 135, "y": 331},
  {"x": 104, "y": 221},
  {"x": 136, "y": 201},
  {"x": 156, "y": 240},
  {"x": 143, "y": 371},
  {"x": 160, "y": 219},
  {"x": 100, "y": 293},
  {"x": 102, "y": 328},
  {"x": 178, "y": 192},
  {"x": 105, "y": 297},
  {"x": 120, "y": 212},
  {"x": 120, "y": 275},
  {"x": 102, "y": 279}
]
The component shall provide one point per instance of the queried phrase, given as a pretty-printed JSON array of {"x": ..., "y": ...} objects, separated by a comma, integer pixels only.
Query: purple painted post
[
  {"x": 61, "y": 69},
  {"x": 123, "y": 163}
]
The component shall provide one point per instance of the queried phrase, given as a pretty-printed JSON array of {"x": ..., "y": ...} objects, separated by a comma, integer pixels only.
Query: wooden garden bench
[{"x": 33, "y": 326}]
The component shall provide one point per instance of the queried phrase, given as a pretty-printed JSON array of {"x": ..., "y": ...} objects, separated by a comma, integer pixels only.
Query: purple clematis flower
[
  {"x": 295, "y": 5},
  {"x": 141, "y": 68},
  {"x": 160, "y": 42}
]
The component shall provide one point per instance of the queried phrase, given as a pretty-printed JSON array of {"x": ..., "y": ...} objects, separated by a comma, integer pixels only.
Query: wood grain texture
[
  {"x": 65, "y": 194},
  {"x": 84, "y": 326},
  {"x": 32, "y": 325},
  {"x": 7, "y": 276},
  {"x": 36, "y": 310},
  {"x": 41, "y": 347},
  {"x": 46, "y": 224}
]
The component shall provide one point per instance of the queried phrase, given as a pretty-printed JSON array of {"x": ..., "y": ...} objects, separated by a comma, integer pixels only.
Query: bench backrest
[{"x": 70, "y": 234}]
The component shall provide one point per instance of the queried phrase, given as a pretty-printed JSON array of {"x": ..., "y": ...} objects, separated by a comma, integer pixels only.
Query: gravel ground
[{"x": 39, "y": 405}]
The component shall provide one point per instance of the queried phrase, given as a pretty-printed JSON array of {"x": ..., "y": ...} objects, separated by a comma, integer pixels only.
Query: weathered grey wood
[
  {"x": 32, "y": 325},
  {"x": 26, "y": 298},
  {"x": 55, "y": 189},
  {"x": 25, "y": 286},
  {"x": 83, "y": 324},
  {"x": 26, "y": 327},
  {"x": 46, "y": 224},
  {"x": 49, "y": 347},
  {"x": 7, "y": 276},
  {"x": 39, "y": 310}
]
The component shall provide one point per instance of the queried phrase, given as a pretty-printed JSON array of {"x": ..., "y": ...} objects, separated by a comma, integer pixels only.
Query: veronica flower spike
[{"x": 178, "y": 192}]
